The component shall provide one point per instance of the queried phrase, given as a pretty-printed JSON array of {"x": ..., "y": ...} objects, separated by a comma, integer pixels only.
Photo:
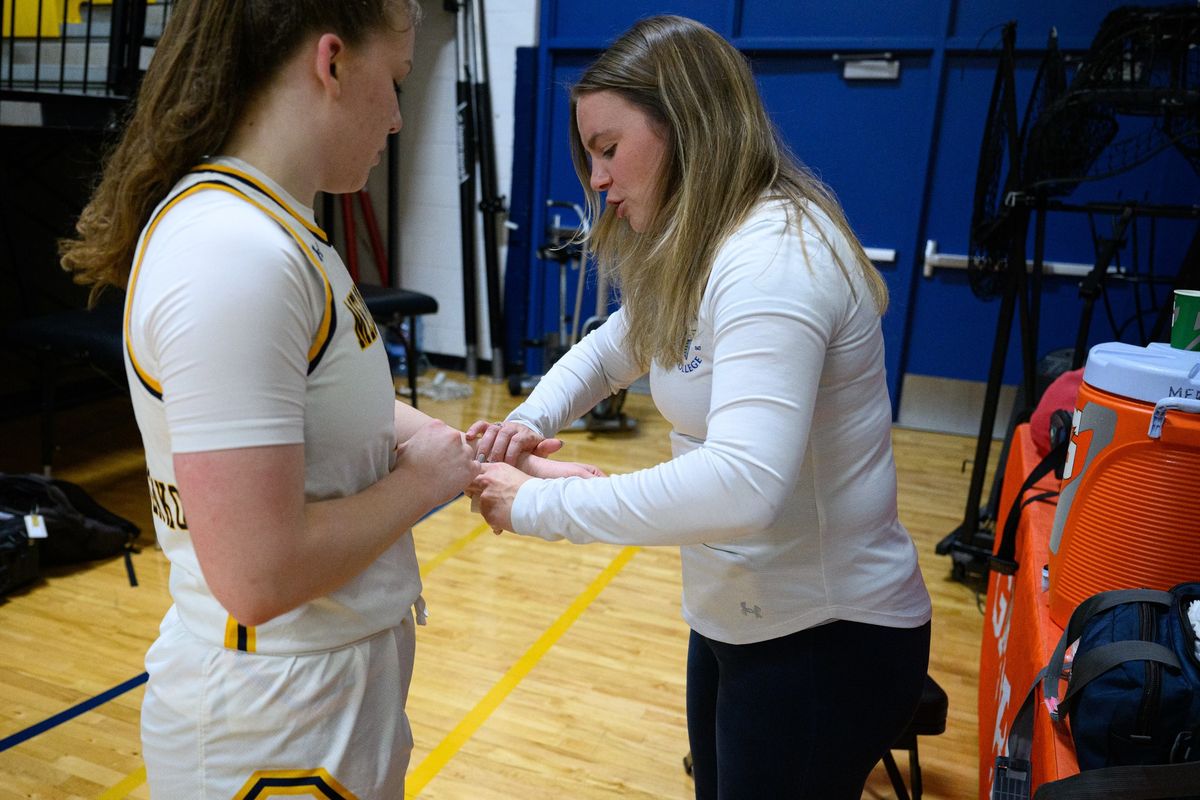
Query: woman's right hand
[
  {"x": 441, "y": 458},
  {"x": 508, "y": 441}
]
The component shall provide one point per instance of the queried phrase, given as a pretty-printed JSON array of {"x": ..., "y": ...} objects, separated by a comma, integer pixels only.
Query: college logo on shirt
[{"x": 690, "y": 360}]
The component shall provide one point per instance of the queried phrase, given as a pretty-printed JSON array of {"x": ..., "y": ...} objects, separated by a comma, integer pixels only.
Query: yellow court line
[
  {"x": 138, "y": 776},
  {"x": 453, "y": 550},
  {"x": 466, "y": 728},
  {"x": 132, "y": 781}
]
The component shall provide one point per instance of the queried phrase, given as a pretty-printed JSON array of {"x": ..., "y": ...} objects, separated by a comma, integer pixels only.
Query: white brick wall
[{"x": 430, "y": 250}]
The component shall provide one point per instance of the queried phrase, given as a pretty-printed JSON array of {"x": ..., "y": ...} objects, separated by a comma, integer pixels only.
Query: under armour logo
[
  {"x": 756, "y": 611},
  {"x": 317, "y": 250}
]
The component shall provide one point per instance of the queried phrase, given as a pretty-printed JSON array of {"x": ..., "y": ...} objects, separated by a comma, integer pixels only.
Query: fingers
[
  {"x": 483, "y": 435},
  {"x": 442, "y": 457},
  {"x": 475, "y": 492},
  {"x": 496, "y": 487},
  {"x": 517, "y": 446},
  {"x": 477, "y": 429},
  {"x": 547, "y": 446},
  {"x": 590, "y": 471},
  {"x": 505, "y": 441}
]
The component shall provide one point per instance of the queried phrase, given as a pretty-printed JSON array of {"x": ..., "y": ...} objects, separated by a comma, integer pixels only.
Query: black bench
[
  {"x": 930, "y": 720},
  {"x": 60, "y": 340},
  {"x": 389, "y": 306}
]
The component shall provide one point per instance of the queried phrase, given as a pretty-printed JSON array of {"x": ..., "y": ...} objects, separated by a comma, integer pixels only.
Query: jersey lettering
[
  {"x": 165, "y": 503},
  {"x": 364, "y": 325}
]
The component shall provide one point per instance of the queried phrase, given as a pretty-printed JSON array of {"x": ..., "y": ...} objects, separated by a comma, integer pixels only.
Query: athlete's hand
[
  {"x": 440, "y": 458},
  {"x": 506, "y": 441},
  {"x": 538, "y": 467},
  {"x": 495, "y": 488}
]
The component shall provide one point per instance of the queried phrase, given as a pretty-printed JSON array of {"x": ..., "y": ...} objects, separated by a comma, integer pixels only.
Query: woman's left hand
[
  {"x": 508, "y": 441},
  {"x": 496, "y": 488}
]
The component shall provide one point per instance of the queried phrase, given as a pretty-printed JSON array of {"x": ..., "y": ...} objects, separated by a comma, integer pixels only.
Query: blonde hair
[
  {"x": 722, "y": 156},
  {"x": 214, "y": 56}
]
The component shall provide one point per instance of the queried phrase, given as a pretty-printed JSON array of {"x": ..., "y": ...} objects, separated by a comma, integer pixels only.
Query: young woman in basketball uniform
[
  {"x": 755, "y": 310},
  {"x": 284, "y": 475}
]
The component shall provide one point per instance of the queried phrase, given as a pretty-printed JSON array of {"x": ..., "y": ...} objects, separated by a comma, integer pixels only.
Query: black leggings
[{"x": 804, "y": 716}]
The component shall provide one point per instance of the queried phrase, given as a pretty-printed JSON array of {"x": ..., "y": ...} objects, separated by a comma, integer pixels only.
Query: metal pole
[
  {"x": 393, "y": 216},
  {"x": 466, "y": 185},
  {"x": 965, "y": 538},
  {"x": 491, "y": 203},
  {"x": 1093, "y": 285}
]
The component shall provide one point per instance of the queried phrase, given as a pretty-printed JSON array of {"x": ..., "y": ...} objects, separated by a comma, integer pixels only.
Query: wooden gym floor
[{"x": 547, "y": 670}]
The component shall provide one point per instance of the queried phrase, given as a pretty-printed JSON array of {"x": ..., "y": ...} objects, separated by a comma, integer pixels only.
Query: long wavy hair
[
  {"x": 212, "y": 59},
  {"x": 723, "y": 156}
]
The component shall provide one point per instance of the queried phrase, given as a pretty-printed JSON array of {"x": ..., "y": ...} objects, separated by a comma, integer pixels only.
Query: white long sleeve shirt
[{"x": 781, "y": 491}]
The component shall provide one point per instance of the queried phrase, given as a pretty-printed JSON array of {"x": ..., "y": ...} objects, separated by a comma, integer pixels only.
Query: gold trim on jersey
[
  {"x": 239, "y": 636},
  {"x": 280, "y": 782},
  {"x": 234, "y": 172},
  {"x": 328, "y": 318}
]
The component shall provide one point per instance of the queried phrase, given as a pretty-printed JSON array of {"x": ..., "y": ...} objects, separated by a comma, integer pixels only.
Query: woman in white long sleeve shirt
[{"x": 756, "y": 313}]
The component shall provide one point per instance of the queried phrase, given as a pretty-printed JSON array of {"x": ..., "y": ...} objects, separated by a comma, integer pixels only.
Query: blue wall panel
[
  {"x": 863, "y": 19},
  {"x": 1076, "y": 20},
  {"x": 901, "y": 156},
  {"x": 867, "y": 141},
  {"x": 603, "y": 22}
]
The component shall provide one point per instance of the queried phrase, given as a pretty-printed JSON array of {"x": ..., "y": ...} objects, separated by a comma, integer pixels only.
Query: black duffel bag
[{"x": 77, "y": 527}]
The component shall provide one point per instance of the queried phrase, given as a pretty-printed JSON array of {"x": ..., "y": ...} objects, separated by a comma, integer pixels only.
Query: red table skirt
[{"x": 1018, "y": 634}]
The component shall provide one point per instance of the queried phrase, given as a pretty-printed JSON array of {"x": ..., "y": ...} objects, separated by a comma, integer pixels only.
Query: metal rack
[
  {"x": 66, "y": 64},
  {"x": 1142, "y": 63}
]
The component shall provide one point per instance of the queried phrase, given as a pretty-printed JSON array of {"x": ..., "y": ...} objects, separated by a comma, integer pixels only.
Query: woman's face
[
  {"x": 625, "y": 148},
  {"x": 370, "y": 76}
]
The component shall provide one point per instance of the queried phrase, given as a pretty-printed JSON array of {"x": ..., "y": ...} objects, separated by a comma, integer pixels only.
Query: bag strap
[
  {"x": 1004, "y": 560},
  {"x": 1011, "y": 778},
  {"x": 1094, "y": 663},
  {"x": 1096, "y": 604},
  {"x": 1135, "y": 782},
  {"x": 1020, "y": 735}
]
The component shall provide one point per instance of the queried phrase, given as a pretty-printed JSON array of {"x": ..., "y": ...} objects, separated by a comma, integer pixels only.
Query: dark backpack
[
  {"x": 18, "y": 554},
  {"x": 79, "y": 528},
  {"x": 1132, "y": 698}
]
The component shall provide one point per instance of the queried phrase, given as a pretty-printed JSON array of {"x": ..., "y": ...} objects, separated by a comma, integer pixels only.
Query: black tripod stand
[
  {"x": 477, "y": 149},
  {"x": 998, "y": 232}
]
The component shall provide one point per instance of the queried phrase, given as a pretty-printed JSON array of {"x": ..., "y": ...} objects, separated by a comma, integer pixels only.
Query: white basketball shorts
[{"x": 220, "y": 723}]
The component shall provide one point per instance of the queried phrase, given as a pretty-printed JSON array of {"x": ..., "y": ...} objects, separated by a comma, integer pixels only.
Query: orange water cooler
[{"x": 1129, "y": 510}]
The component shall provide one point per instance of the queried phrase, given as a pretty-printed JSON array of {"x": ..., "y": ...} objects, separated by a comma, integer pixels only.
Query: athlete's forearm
[{"x": 265, "y": 551}]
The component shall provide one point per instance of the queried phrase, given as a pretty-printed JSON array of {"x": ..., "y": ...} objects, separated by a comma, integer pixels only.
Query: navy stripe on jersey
[{"x": 222, "y": 169}]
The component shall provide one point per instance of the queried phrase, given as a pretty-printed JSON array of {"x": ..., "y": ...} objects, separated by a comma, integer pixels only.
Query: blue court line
[
  {"x": 71, "y": 713},
  {"x": 436, "y": 509},
  {"x": 102, "y": 698}
]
